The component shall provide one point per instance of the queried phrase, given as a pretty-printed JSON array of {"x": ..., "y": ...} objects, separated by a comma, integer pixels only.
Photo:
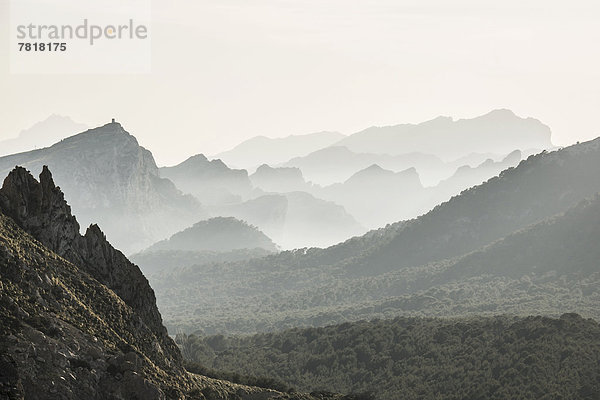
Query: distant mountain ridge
[
  {"x": 537, "y": 188},
  {"x": 263, "y": 150},
  {"x": 376, "y": 196},
  {"x": 335, "y": 164},
  {"x": 42, "y": 134},
  {"x": 500, "y": 130}
]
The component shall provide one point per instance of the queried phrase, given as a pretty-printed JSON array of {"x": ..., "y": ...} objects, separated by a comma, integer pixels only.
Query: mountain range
[
  {"x": 450, "y": 139},
  {"x": 435, "y": 148},
  {"x": 336, "y": 164},
  {"x": 376, "y": 196},
  {"x": 263, "y": 150},
  {"x": 497, "y": 234},
  {"x": 113, "y": 181},
  {"x": 405, "y": 267}
]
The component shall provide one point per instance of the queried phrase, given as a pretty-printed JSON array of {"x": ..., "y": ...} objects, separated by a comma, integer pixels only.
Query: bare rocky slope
[
  {"x": 78, "y": 320},
  {"x": 114, "y": 182}
]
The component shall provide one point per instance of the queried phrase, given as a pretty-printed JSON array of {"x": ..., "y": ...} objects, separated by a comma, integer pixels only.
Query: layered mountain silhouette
[
  {"x": 113, "y": 181},
  {"x": 411, "y": 267},
  {"x": 539, "y": 187},
  {"x": 500, "y": 130},
  {"x": 78, "y": 320},
  {"x": 212, "y": 182},
  {"x": 263, "y": 150},
  {"x": 337, "y": 164},
  {"x": 41, "y": 134},
  {"x": 376, "y": 196}
]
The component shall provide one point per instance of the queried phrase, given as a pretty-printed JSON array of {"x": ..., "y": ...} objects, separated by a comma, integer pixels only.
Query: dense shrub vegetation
[{"x": 413, "y": 358}]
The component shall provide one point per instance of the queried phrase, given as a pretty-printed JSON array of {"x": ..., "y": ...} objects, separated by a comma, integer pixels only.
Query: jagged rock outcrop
[
  {"x": 40, "y": 209},
  {"x": 77, "y": 319}
]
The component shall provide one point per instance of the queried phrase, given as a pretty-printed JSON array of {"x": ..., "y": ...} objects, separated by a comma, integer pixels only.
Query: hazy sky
[{"x": 226, "y": 70}]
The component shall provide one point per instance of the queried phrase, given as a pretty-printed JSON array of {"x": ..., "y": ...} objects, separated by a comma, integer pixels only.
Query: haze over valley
[{"x": 339, "y": 254}]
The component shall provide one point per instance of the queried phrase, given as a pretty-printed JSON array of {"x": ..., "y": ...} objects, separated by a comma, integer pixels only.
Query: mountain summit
[{"x": 113, "y": 181}]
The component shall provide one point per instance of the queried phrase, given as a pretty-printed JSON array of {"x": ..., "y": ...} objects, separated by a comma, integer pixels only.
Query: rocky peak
[
  {"x": 111, "y": 180},
  {"x": 40, "y": 209}
]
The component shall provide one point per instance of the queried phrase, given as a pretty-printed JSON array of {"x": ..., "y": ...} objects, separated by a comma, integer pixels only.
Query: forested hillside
[{"x": 413, "y": 358}]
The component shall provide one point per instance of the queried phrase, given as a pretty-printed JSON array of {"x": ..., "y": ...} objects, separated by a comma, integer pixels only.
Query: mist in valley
[{"x": 318, "y": 201}]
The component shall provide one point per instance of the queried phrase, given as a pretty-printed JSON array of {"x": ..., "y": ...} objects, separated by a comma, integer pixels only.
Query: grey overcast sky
[{"x": 227, "y": 70}]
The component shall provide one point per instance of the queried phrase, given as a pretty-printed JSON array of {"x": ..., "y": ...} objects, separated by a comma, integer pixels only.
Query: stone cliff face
[
  {"x": 41, "y": 210},
  {"x": 77, "y": 319},
  {"x": 113, "y": 181}
]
